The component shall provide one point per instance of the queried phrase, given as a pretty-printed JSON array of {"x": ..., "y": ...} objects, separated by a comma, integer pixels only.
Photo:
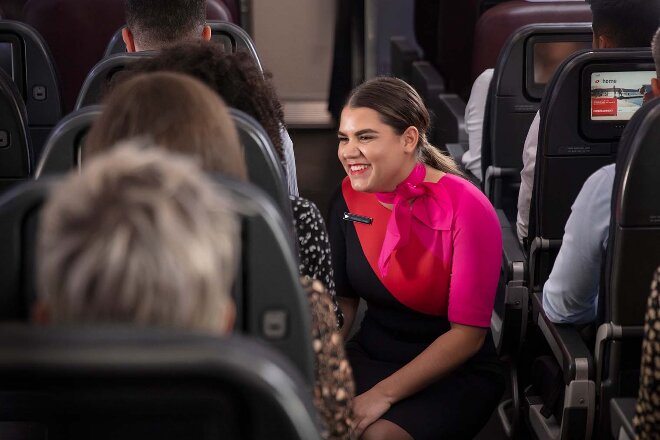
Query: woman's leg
[{"x": 385, "y": 430}]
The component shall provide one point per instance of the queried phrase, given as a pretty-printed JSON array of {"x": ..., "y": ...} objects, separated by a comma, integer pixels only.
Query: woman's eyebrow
[{"x": 359, "y": 132}]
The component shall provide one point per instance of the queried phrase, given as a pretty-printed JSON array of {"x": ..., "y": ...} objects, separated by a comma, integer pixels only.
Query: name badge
[{"x": 357, "y": 218}]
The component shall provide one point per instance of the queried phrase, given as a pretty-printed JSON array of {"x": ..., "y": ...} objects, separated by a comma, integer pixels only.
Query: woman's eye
[
  {"x": 343, "y": 139},
  {"x": 365, "y": 138}
]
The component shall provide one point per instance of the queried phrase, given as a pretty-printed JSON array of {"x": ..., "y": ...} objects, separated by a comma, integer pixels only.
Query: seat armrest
[
  {"x": 513, "y": 255},
  {"x": 622, "y": 411},
  {"x": 566, "y": 343}
]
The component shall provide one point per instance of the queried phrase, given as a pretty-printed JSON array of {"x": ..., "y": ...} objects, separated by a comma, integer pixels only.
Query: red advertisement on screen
[{"x": 603, "y": 107}]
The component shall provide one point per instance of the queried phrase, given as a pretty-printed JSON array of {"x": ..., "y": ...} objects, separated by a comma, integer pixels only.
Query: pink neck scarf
[{"x": 425, "y": 201}]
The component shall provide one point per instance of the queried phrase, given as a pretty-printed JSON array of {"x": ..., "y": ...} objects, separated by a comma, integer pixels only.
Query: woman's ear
[{"x": 410, "y": 139}]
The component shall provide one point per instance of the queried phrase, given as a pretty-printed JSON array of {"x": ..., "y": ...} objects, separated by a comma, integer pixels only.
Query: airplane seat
[
  {"x": 575, "y": 141},
  {"x": 84, "y": 28},
  {"x": 270, "y": 301},
  {"x": 16, "y": 157},
  {"x": 525, "y": 65},
  {"x": 28, "y": 61},
  {"x": 230, "y": 35},
  {"x": 444, "y": 32},
  {"x": 64, "y": 146},
  {"x": 110, "y": 382},
  {"x": 74, "y": 27},
  {"x": 97, "y": 81},
  {"x": 498, "y": 23},
  {"x": 631, "y": 258},
  {"x": 593, "y": 376},
  {"x": 63, "y": 151}
]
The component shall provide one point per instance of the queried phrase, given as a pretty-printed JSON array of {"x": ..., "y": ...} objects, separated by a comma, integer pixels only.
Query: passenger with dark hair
[
  {"x": 422, "y": 245},
  {"x": 154, "y": 24},
  {"x": 571, "y": 293},
  {"x": 616, "y": 24},
  {"x": 200, "y": 126},
  {"x": 238, "y": 80}
]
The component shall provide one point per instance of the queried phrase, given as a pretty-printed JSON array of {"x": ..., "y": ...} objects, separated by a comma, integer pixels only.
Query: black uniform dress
[{"x": 391, "y": 335}]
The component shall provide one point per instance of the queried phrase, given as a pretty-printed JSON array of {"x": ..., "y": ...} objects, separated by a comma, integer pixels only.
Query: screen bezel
[
  {"x": 17, "y": 74},
  {"x": 536, "y": 90},
  {"x": 602, "y": 130}
]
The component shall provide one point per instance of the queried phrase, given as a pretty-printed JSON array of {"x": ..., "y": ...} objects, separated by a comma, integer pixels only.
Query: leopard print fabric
[
  {"x": 647, "y": 413},
  {"x": 334, "y": 388}
]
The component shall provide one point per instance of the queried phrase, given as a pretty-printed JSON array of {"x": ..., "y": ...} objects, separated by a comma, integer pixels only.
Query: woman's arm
[
  {"x": 348, "y": 308},
  {"x": 445, "y": 354}
]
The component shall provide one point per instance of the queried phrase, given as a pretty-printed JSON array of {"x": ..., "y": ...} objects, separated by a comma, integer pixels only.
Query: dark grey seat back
[
  {"x": 232, "y": 37},
  {"x": 515, "y": 97},
  {"x": 631, "y": 258},
  {"x": 264, "y": 169},
  {"x": 16, "y": 156},
  {"x": 96, "y": 83},
  {"x": 63, "y": 147},
  {"x": 566, "y": 154},
  {"x": 633, "y": 251},
  {"x": 270, "y": 301},
  {"x": 35, "y": 77},
  {"x": 136, "y": 383}
]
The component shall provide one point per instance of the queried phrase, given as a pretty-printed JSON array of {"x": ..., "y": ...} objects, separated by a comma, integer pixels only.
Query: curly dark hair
[{"x": 234, "y": 76}]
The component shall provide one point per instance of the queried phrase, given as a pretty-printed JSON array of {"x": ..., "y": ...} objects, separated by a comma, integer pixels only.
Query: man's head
[
  {"x": 624, "y": 23},
  {"x": 154, "y": 24},
  {"x": 140, "y": 236},
  {"x": 655, "y": 82}
]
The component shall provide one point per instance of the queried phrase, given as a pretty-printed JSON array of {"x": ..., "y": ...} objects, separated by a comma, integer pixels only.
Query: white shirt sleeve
[
  {"x": 571, "y": 293},
  {"x": 474, "y": 121},
  {"x": 527, "y": 177},
  {"x": 289, "y": 162}
]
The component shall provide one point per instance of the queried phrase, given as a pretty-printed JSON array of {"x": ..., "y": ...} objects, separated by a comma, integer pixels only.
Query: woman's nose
[{"x": 349, "y": 150}]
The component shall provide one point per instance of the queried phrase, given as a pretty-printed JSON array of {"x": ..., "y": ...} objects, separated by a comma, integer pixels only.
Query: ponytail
[{"x": 433, "y": 157}]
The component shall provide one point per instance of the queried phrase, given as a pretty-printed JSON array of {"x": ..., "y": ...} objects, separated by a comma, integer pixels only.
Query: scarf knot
[{"x": 427, "y": 202}]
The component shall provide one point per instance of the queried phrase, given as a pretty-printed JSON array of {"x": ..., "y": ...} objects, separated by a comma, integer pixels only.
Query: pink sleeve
[{"x": 476, "y": 260}]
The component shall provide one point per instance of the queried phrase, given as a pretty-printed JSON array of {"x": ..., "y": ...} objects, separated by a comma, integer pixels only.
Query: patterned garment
[
  {"x": 314, "y": 248},
  {"x": 647, "y": 413},
  {"x": 334, "y": 389}
]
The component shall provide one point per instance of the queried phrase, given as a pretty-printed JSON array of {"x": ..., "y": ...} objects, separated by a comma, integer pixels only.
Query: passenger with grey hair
[{"x": 139, "y": 236}]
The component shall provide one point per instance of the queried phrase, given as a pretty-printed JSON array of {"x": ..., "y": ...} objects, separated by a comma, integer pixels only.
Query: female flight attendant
[{"x": 422, "y": 246}]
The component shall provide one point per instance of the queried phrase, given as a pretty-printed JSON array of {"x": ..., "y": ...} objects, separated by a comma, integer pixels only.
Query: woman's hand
[{"x": 367, "y": 408}]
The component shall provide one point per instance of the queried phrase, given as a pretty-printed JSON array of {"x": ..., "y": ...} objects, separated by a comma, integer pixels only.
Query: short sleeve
[
  {"x": 337, "y": 233},
  {"x": 476, "y": 260}
]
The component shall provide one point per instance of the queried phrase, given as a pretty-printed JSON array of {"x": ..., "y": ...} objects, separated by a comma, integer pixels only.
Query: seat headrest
[{"x": 496, "y": 25}]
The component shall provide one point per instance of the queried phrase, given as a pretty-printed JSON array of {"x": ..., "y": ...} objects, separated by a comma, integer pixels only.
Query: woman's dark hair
[
  {"x": 400, "y": 107},
  {"x": 179, "y": 113},
  {"x": 234, "y": 76}
]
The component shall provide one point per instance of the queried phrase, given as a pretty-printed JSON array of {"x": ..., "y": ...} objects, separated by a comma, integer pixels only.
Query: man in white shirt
[
  {"x": 474, "y": 122},
  {"x": 571, "y": 293},
  {"x": 616, "y": 24}
]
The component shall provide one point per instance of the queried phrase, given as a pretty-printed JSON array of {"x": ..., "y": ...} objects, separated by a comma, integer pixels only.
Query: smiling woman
[{"x": 427, "y": 265}]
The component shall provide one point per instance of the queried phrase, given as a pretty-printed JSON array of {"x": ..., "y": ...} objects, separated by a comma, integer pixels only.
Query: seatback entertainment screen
[
  {"x": 7, "y": 59},
  {"x": 616, "y": 96},
  {"x": 548, "y": 56}
]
